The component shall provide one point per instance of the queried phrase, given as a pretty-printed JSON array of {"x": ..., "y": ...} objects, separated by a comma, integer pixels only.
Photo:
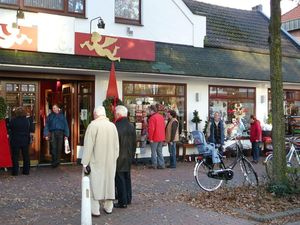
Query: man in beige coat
[{"x": 101, "y": 150}]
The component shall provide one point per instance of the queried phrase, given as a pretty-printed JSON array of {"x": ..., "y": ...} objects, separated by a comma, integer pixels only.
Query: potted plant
[
  {"x": 196, "y": 119},
  {"x": 5, "y": 157}
]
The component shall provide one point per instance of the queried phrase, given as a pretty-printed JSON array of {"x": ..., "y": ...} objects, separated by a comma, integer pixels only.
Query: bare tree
[{"x": 279, "y": 160}]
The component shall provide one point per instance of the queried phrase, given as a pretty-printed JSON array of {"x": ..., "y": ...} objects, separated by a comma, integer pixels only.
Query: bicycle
[
  {"x": 210, "y": 176},
  {"x": 292, "y": 157}
]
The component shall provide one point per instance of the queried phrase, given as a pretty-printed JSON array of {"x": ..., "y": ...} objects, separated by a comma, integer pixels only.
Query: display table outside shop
[{"x": 184, "y": 146}]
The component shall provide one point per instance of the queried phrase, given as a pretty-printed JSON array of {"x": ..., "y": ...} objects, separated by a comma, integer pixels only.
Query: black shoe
[
  {"x": 117, "y": 205},
  {"x": 94, "y": 215},
  {"x": 160, "y": 167},
  {"x": 172, "y": 167},
  {"x": 152, "y": 167}
]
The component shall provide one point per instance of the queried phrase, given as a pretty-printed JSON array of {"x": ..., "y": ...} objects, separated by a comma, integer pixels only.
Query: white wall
[{"x": 168, "y": 21}]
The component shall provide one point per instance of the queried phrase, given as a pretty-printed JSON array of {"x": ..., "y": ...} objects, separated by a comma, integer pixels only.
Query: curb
[{"x": 268, "y": 217}]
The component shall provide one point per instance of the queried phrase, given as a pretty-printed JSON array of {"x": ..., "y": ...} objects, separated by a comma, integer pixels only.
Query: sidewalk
[{"x": 53, "y": 196}]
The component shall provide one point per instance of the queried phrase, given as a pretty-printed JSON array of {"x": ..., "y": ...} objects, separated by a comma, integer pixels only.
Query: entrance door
[
  {"x": 25, "y": 94},
  {"x": 69, "y": 108},
  {"x": 63, "y": 94}
]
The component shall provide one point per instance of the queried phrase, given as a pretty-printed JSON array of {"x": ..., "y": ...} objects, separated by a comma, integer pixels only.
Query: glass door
[
  {"x": 85, "y": 107},
  {"x": 68, "y": 92},
  {"x": 24, "y": 93}
]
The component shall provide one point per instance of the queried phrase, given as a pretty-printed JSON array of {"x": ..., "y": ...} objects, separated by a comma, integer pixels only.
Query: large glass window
[
  {"x": 67, "y": 7},
  {"x": 291, "y": 102},
  {"x": 291, "y": 107},
  {"x": 139, "y": 96},
  {"x": 233, "y": 104},
  {"x": 128, "y": 11}
]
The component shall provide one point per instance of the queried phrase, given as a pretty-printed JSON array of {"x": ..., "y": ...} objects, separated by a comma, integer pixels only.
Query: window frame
[
  {"x": 122, "y": 20},
  {"x": 65, "y": 12}
]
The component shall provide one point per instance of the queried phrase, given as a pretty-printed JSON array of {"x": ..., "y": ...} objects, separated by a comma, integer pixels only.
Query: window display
[
  {"x": 291, "y": 107},
  {"x": 235, "y": 105},
  {"x": 139, "y": 96}
]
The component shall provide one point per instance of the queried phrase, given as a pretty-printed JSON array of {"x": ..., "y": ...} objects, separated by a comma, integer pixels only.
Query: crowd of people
[{"x": 109, "y": 148}]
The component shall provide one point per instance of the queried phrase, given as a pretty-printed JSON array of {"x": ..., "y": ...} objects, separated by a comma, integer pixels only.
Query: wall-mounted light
[
  {"x": 19, "y": 15},
  {"x": 262, "y": 99},
  {"x": 100, "y": 24},
  {"x": 197, "y": 96},
  {"x": 129, "y": 31}
]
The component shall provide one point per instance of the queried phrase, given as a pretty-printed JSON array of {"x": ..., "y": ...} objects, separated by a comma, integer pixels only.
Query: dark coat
[
  {"x": 212, "y": 138},
  {"x": 19, "y": 131},
  {"x": 127, "y": 144},
  {"x": 56, "y": 122}
]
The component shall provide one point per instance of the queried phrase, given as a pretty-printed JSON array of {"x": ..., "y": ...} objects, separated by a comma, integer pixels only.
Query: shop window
[
  {"x": 64, "y": 7},
  {"x": 128, "y": 11},
  {"x": 291, "y": 102},
  {"x": 235, "y": 105},
  {"x": 291, "y": 110},
  {"x": 139, "y": 96}
]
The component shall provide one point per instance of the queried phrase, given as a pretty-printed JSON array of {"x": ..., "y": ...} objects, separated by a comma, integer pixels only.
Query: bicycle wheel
[
  {"x": 293, "y": 166},
  {"x": 249, "y": 172},
  {"x": 206, "y": 183},
  {"x": 269, "y": 166}
]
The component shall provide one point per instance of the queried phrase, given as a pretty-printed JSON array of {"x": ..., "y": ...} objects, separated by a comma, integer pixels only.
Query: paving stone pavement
[{"x": 53, "y": 196}]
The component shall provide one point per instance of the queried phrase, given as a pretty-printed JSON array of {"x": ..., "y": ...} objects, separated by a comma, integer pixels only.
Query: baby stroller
[{"x": 208, "y": 150}]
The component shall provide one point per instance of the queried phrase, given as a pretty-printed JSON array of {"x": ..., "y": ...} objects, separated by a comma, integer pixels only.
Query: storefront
[
  {"x": 206, "y": 65},
  {"x": 37, "y": 95}
]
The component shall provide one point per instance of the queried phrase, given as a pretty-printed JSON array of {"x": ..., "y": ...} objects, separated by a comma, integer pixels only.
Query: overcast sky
[{"x": 286, "y": 5}]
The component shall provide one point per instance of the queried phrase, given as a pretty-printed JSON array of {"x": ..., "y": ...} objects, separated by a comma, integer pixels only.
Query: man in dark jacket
[
  {"x": 56, "y": 130},
  {"x": 215, "y": 131},
  {"x": 127, "y": 144}
]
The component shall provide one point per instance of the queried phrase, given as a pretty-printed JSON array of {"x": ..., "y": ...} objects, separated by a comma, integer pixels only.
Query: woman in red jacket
[{"x": 255, "y": 137}]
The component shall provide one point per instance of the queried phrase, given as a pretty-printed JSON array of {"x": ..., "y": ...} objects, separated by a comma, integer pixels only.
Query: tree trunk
[{"x": 279, "y": 159}]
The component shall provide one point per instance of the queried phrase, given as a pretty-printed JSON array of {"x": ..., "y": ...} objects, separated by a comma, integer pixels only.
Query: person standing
[
  {"x": 172, "y": 136},
  {"x": 215, "y": 132},
  {"x": 255, "y": 137},
  {"x": 101, "y": 150},
  {"x": 56, "y": 131},
  {"x": 156, "y": 135},
  {"x": 20, "y": 129},
  {"x": 127, "y": 144}
]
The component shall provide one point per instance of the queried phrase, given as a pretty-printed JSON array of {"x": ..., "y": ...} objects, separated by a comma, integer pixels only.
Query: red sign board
[{"x": 114, "y": 48}]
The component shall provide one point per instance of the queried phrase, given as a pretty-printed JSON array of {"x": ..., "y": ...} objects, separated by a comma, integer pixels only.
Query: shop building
[{"x": 184, "y": 54}]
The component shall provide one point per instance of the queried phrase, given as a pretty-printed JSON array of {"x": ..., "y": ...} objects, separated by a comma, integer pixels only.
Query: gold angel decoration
[{"x": 101, "y": 49}]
